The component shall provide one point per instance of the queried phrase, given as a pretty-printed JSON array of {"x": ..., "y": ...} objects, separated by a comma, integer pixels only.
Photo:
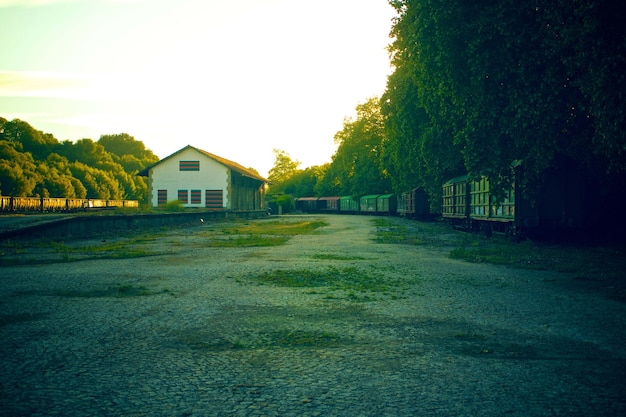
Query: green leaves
[
  {"x": 504, "y": 81},
  {"x": 357, "y": 166},
  {"x": 33, "y": 163}
]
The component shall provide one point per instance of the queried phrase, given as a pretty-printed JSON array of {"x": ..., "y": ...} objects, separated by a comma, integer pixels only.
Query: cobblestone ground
[{"x": 191, "y": 332}]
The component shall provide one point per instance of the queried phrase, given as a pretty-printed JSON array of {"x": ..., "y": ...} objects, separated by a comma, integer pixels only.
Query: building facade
[{"x": 199, "y": 179}]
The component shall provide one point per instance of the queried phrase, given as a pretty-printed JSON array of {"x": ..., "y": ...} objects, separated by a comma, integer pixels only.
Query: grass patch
[
  {"x": 387, "y": 231},
  {"x": 393, "y": 230},
  {"x": 201, "y": 341},
  {"x": 258, "y": 233},
  {"x": 118, "y": 291},
  {"x": 286, "y": 338},
  {"x": 42, "y": 252},
  {"x": 357, "y": 284},
  {"x": 247, "y": 241},
  {"x": 331, "y": 257},
  {"x": 586, "y": 263},
  {"x": 276, "y": 228},
  {"x": 302, "y": 338}
]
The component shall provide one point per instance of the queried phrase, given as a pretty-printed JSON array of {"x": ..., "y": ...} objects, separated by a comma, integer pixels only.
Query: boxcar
[
  {"x": 348, "y": 205},
  {"x": 96, "y": 203},
  {"x": 74, "y": 204},
  {"x": 368, "y": 204},
  {"x": 558, "y": 205},
  {"x": 455, "y": 204},
  {"x": 5, "y": 203},
  {"x": 131, "y": 203},
  {"x": 386, "y": 204},
  {"x": 26, "y": 204},
  {"x": 328, "y": 204},
  {"x": 414, "y": 204},
  {"x": 306, "y": 204},
  {"x": 115, "y": 203},
  {"x": 54, "y": 204}
]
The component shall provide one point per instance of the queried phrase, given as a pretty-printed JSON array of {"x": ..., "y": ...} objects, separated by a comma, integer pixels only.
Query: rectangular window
[
  {"x": 214, "y": 199},
  {"x": 196, "y": 197},
  {"x": 162, "y": 197},
  {"x": 189, "y": 165},
  {"x": 183, "y": 196}
]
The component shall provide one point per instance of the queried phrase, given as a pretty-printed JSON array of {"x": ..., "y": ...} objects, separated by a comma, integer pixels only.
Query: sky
[{"x": 234, "y": 78}]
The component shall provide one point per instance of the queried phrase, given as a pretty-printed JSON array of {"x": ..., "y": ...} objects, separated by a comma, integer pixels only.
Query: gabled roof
[{"x": 227, "y": 163}]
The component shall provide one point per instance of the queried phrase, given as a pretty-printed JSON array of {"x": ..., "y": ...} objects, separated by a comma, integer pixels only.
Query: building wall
[
  {"x": 171, "y": 176},
  {"x": 246, "y": 193}
]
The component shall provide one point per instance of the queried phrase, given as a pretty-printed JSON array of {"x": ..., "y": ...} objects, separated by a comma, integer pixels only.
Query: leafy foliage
[
  {"x": 480, "y": 86},
  {"x": 284, "y": 167},
  {"x": 33, "y": 163},
  {"x": 356, "y": 167}
]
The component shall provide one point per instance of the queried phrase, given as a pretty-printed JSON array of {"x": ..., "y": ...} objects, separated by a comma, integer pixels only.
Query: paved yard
[{"x": 374, "y": 330}]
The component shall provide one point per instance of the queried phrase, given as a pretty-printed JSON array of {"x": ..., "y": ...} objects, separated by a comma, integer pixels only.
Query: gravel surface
[{"x": 193, "y": 331}]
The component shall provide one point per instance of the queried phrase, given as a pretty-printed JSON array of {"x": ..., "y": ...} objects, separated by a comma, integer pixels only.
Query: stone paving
[{"x": 191, "y": 333}]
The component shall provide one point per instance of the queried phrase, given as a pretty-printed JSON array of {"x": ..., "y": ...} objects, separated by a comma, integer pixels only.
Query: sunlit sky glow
[{"x": 235, "y": 78}]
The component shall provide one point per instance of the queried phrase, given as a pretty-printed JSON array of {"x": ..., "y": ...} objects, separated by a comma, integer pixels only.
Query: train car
[
  {"x": 96, "y": 203},
  {"x": 368, "y": 204},
  {"x": 558, "y": 205},
  {"x": 114, "y": 203},
  {"x": 348, "y": 205},
  {"x": 486, "y": 212},
  {"x": 414, "y": 204},
  {"x": 328, "y": 204},
  {"x": 386, "y": 204},
  {"x": 5, "y": 204},
  {"x": 58, "y": 204},
  {"x": 75, "y": 204},
  {"x": 455, "y": 203},
  {"x": 54, "y": 204},
  {"x": 306, "y": 204},
  {"x": 22, "y": 204}
]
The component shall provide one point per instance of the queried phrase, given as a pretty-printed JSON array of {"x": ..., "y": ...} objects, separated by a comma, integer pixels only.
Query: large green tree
[
  {"x": 501, "y": 82},
  {"x": 356, "y": 167},
  {"x": 284, "y": 168},
  {"x": 130, "y": 153}
]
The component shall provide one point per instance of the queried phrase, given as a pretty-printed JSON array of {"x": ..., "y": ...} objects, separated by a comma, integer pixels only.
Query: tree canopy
[
  {"x": 356, "y": 167},
  {"x": 34, "y": 163},
  {"x": 477, "y": 87}
]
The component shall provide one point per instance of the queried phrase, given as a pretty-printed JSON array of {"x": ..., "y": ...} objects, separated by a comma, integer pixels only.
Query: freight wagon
[
  {"x": 54, "y": 204},
  {"x": 557, "y": 205}
]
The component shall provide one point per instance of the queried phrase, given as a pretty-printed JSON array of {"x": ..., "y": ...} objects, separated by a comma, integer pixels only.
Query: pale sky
[{"x": 236, "y": 78}]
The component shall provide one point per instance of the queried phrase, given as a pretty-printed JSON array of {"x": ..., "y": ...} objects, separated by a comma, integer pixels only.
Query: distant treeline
[{"x": 36, "y": 164}]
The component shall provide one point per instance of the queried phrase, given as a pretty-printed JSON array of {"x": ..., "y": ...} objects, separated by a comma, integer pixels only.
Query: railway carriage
[
  {"x": 5, "y": 203},
  {"x": 414, "y": 204},
  {"x": 53, "y": 204},
  {"x": 56, "y": 204},
  {"x": 368, "y": 204},
  {"x": 26, "y": 204},
  {"x": 556, "y": 206},
  {"x": 306, "y": 204},
  {"x": 328, "y": 204},
  {"x": 386, "y": 204},
  {"x": 348, "y": 205}
]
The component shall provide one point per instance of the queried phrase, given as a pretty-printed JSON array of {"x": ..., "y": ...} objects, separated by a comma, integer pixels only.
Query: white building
[{"x": 200, "y": 179}]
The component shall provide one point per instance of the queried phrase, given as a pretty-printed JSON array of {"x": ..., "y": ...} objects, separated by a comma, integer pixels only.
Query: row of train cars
[
  {"x": 558, "y": 206},
  {"x": 52, "y": 204}
]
